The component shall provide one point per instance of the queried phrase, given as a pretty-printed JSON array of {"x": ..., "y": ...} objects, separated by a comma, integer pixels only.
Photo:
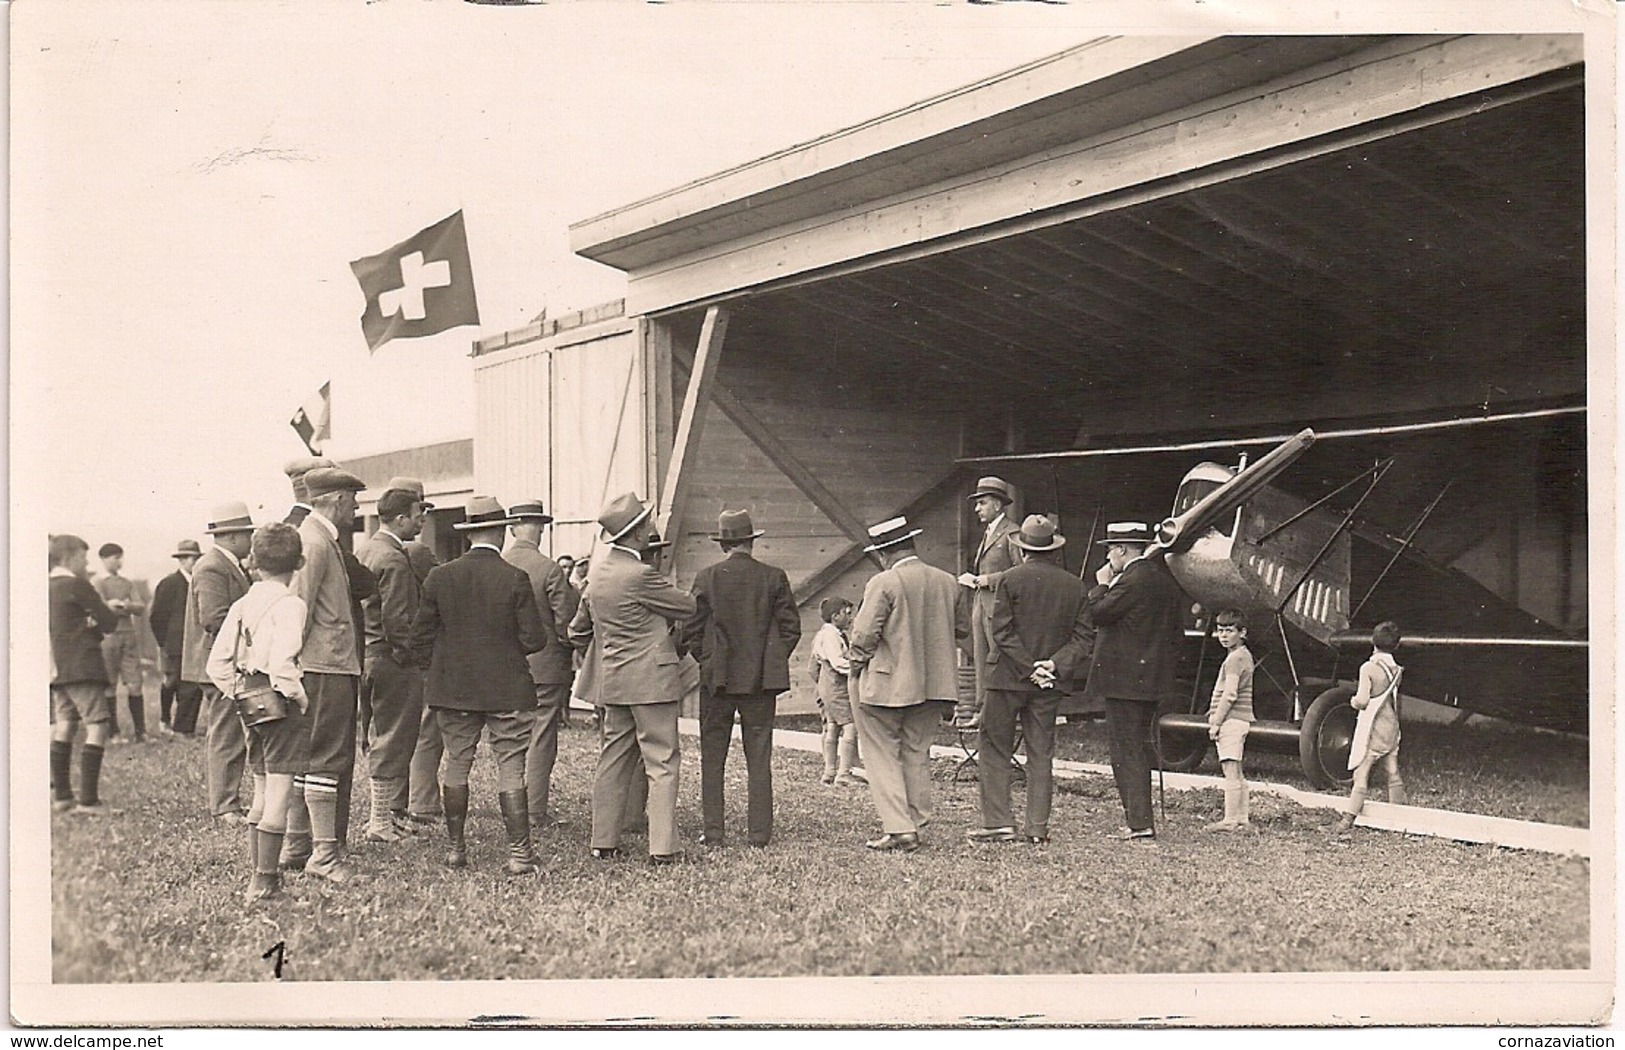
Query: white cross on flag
[{"x": 421, "y": 286}]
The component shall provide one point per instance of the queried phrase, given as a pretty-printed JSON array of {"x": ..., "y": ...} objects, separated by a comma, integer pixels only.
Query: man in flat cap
[
  {"x": 631, "y": 670},
  {"x": 218, "y": 580},
  {"x": 1136, "y": 607},
  {"x": 744, "y": 627},
  {"x": 995, "y": 555},
  {"x": 550, "y": 670},
  {"x": 391, "y": 685},
  {"x": 1040, "y": 632},
  {"x": 475, "y": 625},
  {"x": 903, "y": 652},
  {"x": 330, "y": 660},
  {"x": 178, "y": 702}
]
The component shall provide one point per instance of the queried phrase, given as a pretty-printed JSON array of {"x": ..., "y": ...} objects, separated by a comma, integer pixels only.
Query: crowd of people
[{"x": 294, "y": 651}]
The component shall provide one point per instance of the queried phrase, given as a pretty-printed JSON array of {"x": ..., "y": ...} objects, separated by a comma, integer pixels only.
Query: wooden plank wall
[{"x": 874, "y": 458}]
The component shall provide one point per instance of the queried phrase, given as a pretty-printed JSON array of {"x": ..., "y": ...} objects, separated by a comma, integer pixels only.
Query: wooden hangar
[{"x": 1087, "y": 275}]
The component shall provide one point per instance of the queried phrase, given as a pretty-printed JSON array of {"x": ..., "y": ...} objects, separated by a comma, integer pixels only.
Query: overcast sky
[{"x": 190, "y": 181}]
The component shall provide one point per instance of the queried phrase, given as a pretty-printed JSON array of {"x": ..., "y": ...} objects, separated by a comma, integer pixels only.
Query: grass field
[{"x": 155, "y": 894}]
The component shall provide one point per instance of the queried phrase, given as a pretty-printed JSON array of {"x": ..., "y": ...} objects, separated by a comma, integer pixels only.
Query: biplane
[{"x": 1314, "y": 574}]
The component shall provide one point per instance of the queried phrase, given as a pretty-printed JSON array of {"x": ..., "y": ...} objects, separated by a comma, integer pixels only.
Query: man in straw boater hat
[
  {"x": 331, "y": 662},
  {"x": 178, "y": 701},
  {"x": 903, "y": 653},
  {"x": 631, "y": 670},
  {"x": 743, "y": 630},
  {"x": 476, "y": 623},
  {"x": 391, "y": 685},
  {"x": 1136, "y": 608},
  {"x": 550, "y": 670},
  {"x": 218, "y": 580},
  {"x": 1040, "y": 631},
  {"x": 995, "y": 555}
]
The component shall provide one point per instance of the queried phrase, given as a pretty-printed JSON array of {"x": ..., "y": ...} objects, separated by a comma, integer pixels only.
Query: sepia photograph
[{"x": 820, "y": 514}]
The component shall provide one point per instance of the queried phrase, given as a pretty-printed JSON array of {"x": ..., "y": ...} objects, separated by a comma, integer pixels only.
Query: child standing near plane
[
  {"x": 1376, "y": 731},
  {"x": 1230, "y": 715},
  {"x": 830, "y": 668}
]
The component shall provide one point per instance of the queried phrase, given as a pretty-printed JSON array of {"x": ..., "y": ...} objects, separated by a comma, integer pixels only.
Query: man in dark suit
[
  {"x": 218, "y": 580},
  {"x": 80, "y": 619},
  {"x": 476, "y": 623},
  {"x": 391, "y": 686},
  {"x": 744, "y": 627},
  {"x": 1136, "y": 608},
  {"x": 631, "y": 670},
  {"x": 550, "y": 669},
  {"x": 1040, "y": 630},
  {"x": 422, "y": 798},
  {"x": 178, "y": 701},
  {"x": 995, "y": 555}
]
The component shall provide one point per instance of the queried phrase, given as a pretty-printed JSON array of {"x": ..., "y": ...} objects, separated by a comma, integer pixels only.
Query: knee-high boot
[
  {"x": 267, "y": 881},
  {"x": 454, "y": 800},
  {"x": 516, "y": 820}
]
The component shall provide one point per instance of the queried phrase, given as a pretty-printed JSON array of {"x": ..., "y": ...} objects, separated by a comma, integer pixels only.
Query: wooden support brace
[
  {"x": 809, "y": 588},
  {"x": 701, "y": 379}
]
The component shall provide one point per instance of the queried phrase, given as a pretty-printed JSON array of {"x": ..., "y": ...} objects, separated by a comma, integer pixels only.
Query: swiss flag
[{"x": 421, "y": 286}]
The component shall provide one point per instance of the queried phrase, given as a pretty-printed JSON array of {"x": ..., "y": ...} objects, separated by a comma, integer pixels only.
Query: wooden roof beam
[{"x": 690, "y": 425}]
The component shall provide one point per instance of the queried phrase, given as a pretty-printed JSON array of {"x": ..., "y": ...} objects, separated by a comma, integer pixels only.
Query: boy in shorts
[
  {"x": 79, "y": 683},
  {"x": 1230, "y": 715},
  {"x": 263, "y": 631},
  {"x": 830, "y": 668}
]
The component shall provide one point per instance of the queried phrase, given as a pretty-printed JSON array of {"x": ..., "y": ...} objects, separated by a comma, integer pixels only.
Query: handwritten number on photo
[{"x": 279, "y": 949}]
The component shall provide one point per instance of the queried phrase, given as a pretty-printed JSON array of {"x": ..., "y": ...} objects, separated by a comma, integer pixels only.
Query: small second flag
[{"x": 421, "y": 286}]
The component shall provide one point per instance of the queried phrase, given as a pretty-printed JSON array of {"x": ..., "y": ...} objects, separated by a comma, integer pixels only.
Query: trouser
[
  {"x": 332, "y": 737},
  {"x": 168, "y": 691},
  {"x": 225, "y": 750},
  {"x": 635, "y": 734},
  {"x": 981, "y": 643},
  {"x": 508, "y": 732},
  {"x": 188, "y": 705},
  {"x": 1128, "y": 726},
  {"x": 996, "y": 745},
  {"x": 896, "y": 743},
  {"x": 424, "y": 779},
  {"x": 551, "y": 700},
  {"x": 394, "y": 694},
  {"x": 755, "y": 712}
]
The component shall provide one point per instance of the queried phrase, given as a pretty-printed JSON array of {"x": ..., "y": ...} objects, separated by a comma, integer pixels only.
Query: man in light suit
[
  {"x": 1137, "y": 609},
  {"x": 1040, "y": 631},
  {"x": 218, "y": 580},
  {"x": 903, "y": 648},
  {"x": 476, "y": 624},
  {"x": 742, "y": 632},
  {"x": 550, "y": 670},
  {"x": 331, "y": 661},
  {"x": 995, "y": 555},
  {"x": 631, "y": 670}
]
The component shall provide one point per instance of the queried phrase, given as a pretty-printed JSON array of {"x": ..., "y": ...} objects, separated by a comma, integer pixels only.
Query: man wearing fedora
[
  {"x": 744, "y": 627},
  {"x": 391, "y": 686},
  {"x": 903, "y": 652},
  {"x": 218, "y": 580},
  {"x": 550, "y": 670},
  {"x": 331, "y": 662},
  {"x": 1136, "y": 607},
  {"x": 178, "y": 701},
  {"x": 631, "y": 670},
  {"x": 1040, "y": 631},
  {"x": 476, "y": 624},
  {"x": 995, "y": 554}
]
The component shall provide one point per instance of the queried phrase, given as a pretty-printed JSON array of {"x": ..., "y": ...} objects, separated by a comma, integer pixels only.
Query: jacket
[
  {"x": 1139, "y": 631},
  {"x": 623, "y": 627},
  {"x": 217, "y": 581},
  {"x": 168, "y": 613},
  {"x": 79, "y": 619},
  {"x": 903, "y": 642},
  {"x": 1039, "y": 613},
  {"x": 323, "y": 583},
  {"x": 389, "y": 613},
  {"x": 556, "y": 601},
  {"x": 745, "y": 626},
  {"x": 476, "y": 622}
]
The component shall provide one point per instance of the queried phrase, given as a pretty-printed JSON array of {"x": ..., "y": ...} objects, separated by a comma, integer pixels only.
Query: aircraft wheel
[
  {"x": 1325, "y": 737},
  {"x": 1181, "y": 752}
]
